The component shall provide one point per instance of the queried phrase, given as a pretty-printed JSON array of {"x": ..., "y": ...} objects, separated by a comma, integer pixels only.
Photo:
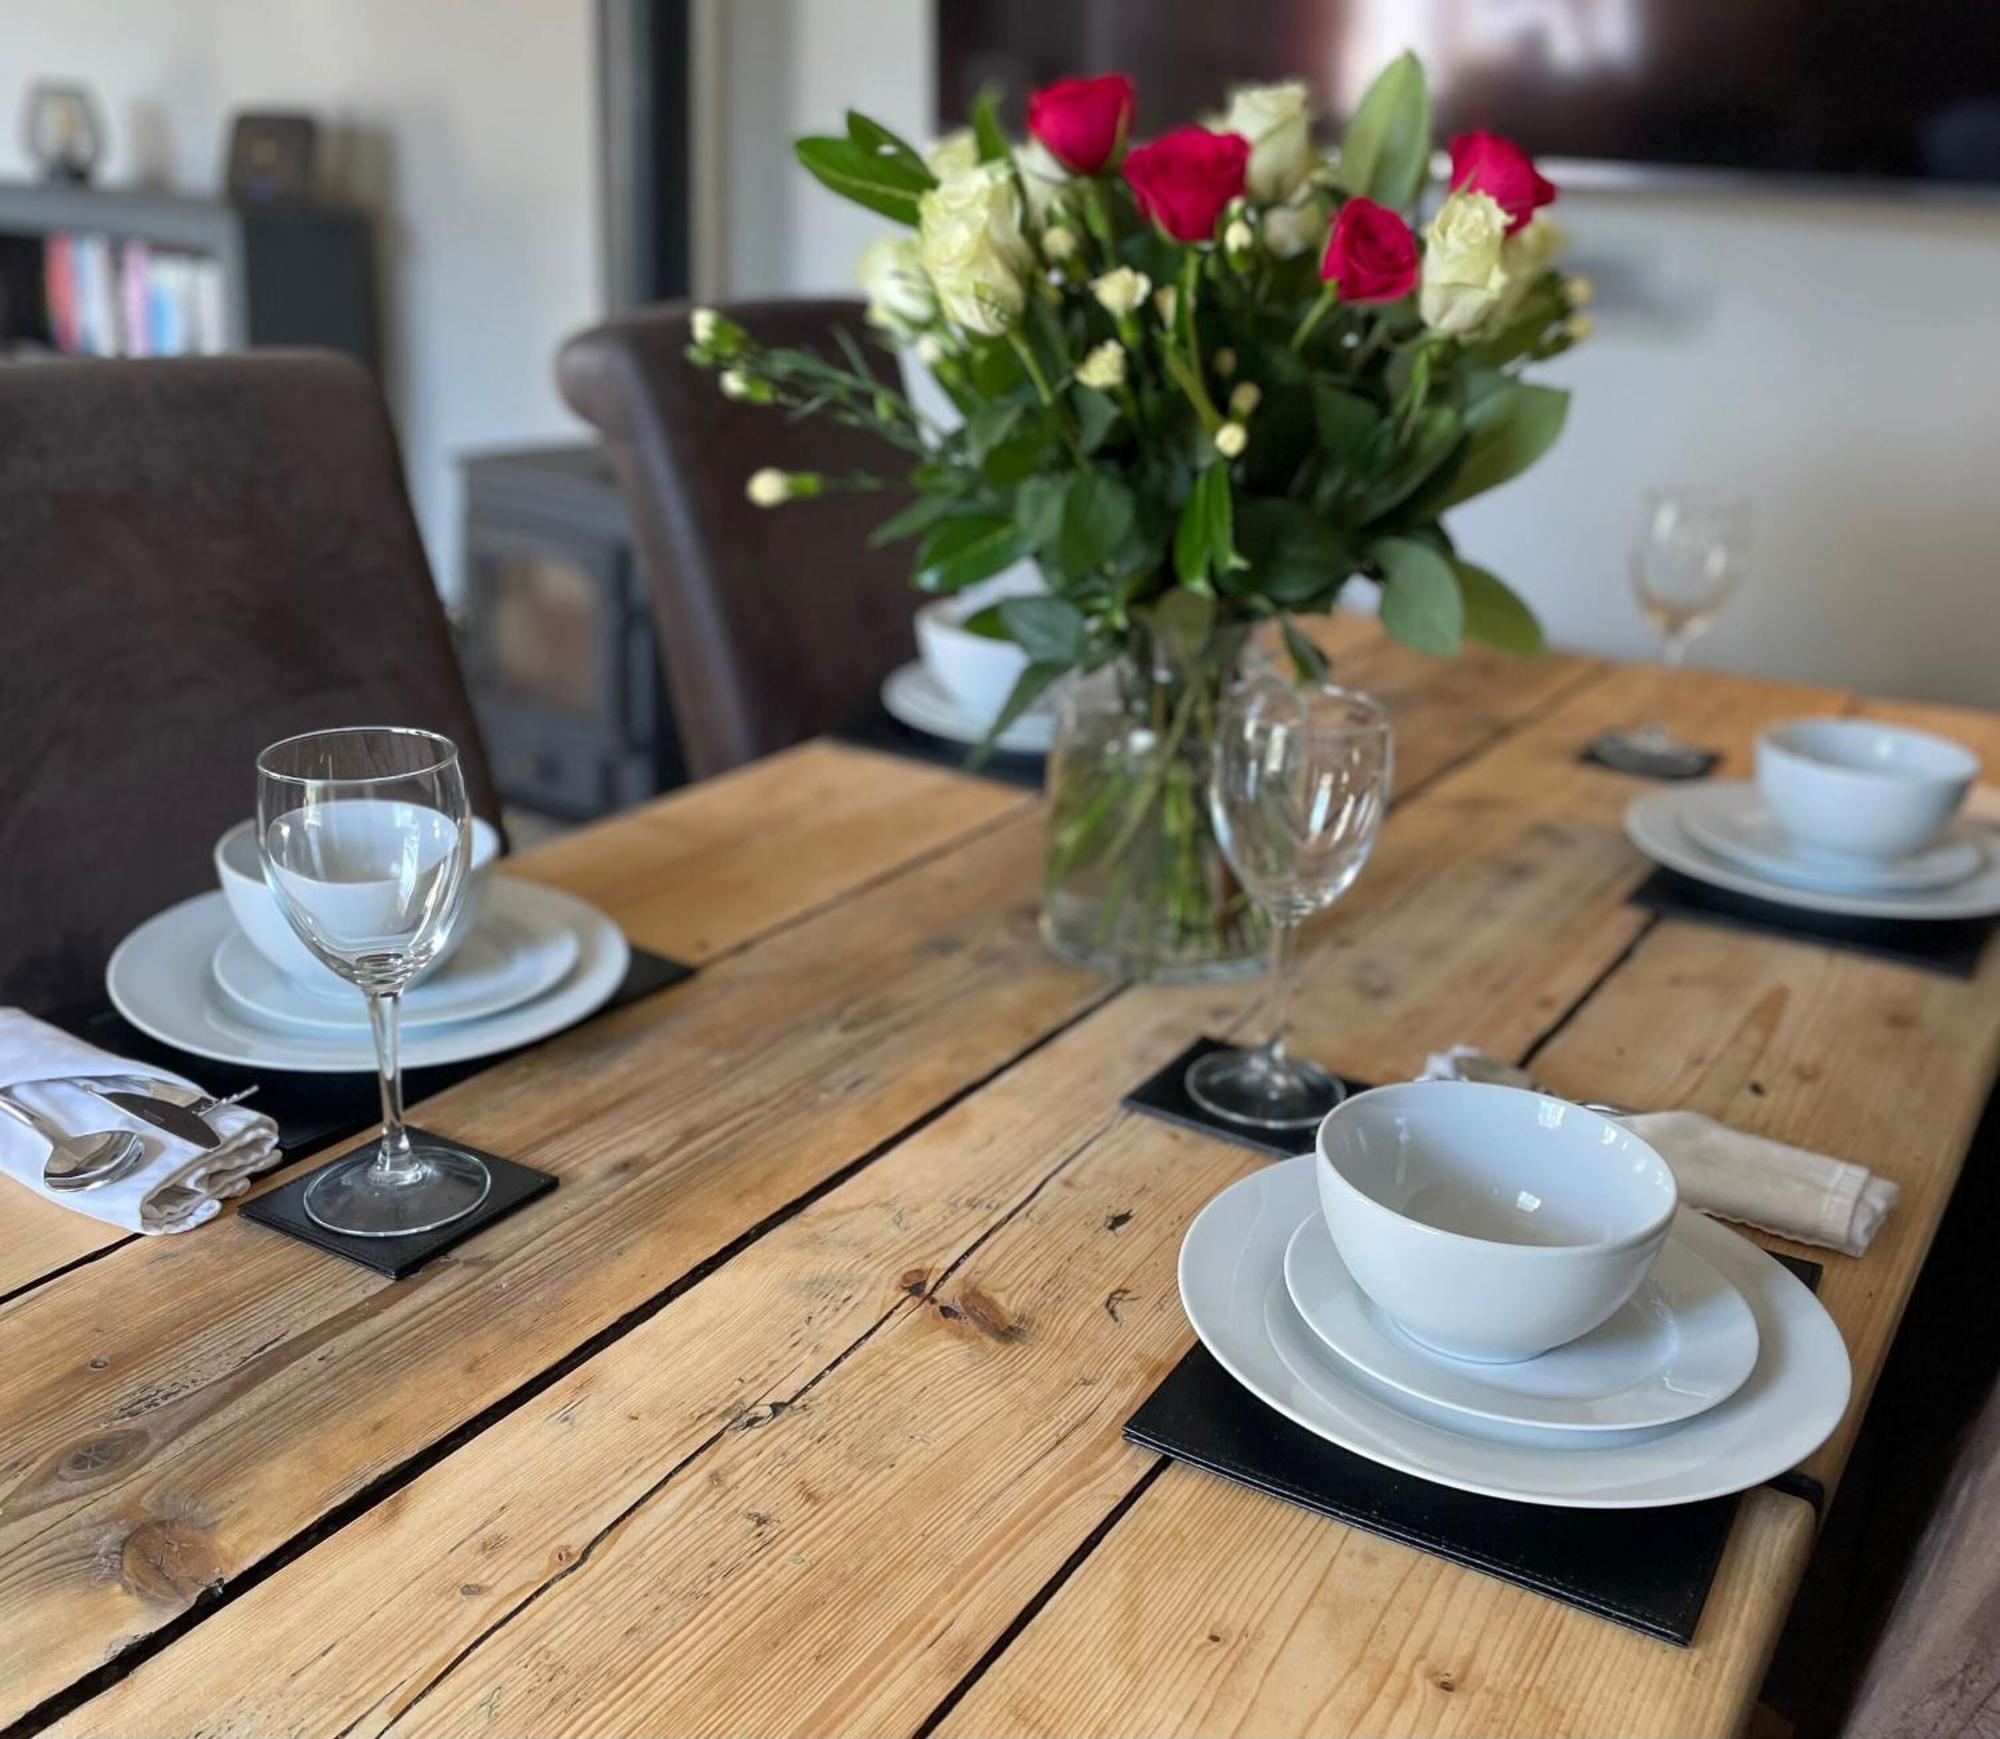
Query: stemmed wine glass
[
  {"x": 1297, "y": 786},
  {"x": 1688, "y": 556},
  {"x": 366, "y": 835}
]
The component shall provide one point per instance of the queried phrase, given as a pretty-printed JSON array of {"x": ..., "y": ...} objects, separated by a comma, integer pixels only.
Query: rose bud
[
  {"x": 1082, "y": 121},
  {"x": 1492, "y": 164}
]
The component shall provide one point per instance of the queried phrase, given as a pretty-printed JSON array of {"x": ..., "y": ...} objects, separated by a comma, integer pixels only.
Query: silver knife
[{"x": 163, "y": 1114}]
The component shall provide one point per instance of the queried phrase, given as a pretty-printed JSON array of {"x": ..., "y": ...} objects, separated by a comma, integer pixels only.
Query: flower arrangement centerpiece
[{"x": 1202, "y": 384}]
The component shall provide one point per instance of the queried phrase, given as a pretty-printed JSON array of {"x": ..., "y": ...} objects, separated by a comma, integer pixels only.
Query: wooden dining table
[{"x": 796, "y": 1407}]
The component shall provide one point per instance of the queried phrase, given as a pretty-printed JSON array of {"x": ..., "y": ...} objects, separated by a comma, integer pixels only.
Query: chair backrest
[
  {"x": 775, "y": 623},
  {"x": 197, "y": 558}
]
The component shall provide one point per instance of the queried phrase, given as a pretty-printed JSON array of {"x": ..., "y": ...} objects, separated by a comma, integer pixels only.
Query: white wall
[
  {"x": 468, "y": 126},
  {"x": 1836, "y": 360}
]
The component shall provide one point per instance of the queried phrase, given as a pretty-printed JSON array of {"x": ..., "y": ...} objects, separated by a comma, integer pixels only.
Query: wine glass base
[
  {"x": 1260, "y": 1091},
  {"x": 349, "y": 1199},
  {"x": 1652, "y": 754}
]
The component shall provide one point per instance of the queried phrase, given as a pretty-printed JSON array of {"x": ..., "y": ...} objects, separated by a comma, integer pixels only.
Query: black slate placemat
[
  {"x": 283, "y": 1210},
  {"x": 1951, "y": 946},
  {"x": 876, "y": 728},
  {"x": 313, "y": 1110},
  {"x": 1164, "y": 1094}
]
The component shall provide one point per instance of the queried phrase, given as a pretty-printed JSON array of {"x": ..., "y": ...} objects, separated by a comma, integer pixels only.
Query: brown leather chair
[
  {"x": 197, "y": 557},
  {"x": 775, "y": 623}
]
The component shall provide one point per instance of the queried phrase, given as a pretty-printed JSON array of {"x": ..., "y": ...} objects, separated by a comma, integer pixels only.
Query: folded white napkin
[
  {"x": 1722, "y": 1171},
  {"x": 178, "y": 1186}
]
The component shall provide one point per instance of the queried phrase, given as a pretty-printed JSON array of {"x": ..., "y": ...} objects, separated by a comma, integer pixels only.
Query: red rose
[
  {"x": 1492, "y": 164},
  {"x": 1082, "y": 120},
  {"x": 1183, "y": 180},
  {"x": 1371, "y": 254}
]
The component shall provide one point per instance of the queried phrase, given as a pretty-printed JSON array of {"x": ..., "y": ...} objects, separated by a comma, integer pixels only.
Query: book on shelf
[{"x": 131, "y": 298}]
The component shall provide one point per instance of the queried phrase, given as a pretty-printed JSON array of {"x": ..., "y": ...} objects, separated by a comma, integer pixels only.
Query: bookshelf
[{"x": 101, "y": 272}]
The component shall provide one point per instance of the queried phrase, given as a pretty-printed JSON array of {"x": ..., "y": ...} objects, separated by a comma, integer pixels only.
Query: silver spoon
[{"x": 79, "y": 1162}]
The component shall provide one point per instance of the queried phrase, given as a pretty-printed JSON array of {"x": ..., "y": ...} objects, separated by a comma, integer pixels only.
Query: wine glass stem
[
  {"x": 1275, "y": 993},
  {"x": 393, "y": 1161}
]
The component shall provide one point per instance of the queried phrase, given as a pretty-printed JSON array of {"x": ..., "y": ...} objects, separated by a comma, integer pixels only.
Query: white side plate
[
  {"x": 1728, "y": 818},
  {"x": 1232, "y": 1267},
  {"x": 913, "y": 695}
]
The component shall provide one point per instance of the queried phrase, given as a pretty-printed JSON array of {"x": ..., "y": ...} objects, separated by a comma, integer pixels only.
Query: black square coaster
[
  {"x": 1164, "y": 1094},
  {"x": 876, "y": 728},
  {"x": 1697, "y": 766},
  {"x": 1951, "y": 946},
  {"x": 283, "y": 1210}
]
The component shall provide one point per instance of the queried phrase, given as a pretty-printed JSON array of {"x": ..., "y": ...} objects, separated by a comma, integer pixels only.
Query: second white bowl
[
  {"x": 1490, "y": 1223},
  {"x": 1859, "y": 789}
]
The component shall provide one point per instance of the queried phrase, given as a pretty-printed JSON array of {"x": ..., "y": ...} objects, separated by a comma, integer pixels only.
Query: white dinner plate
[
  {"x": 522, "y": 947},
  {"x": 914, "y": 696},
  {"x": 1653, "y": 824},
  {"x": 159, "y": 980},
  {"x": 1728, "y": 817},
  {"x": 1231, "y": 1270},
  {"x": 1684, "y": 1343}
]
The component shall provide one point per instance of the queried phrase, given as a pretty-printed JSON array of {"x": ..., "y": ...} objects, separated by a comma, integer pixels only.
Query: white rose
[
  {"x": 1276, "y": 121},
  {"x": 1463, "y": 277},
  {"x": 970, "y": 245},
  {"x": 1290, "y": 230},
  {"x": 1104, "y": 367},
  {"x": 1525, "y": 256},
  {"x": 899, "y": 295},
  {"x": 1121, "y": 289},
  {"x": 1047, "y": 184},
  {"x": 953, "y": 155}
]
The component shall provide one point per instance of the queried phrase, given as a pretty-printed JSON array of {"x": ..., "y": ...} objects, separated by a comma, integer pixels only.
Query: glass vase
[{"x": 1136, "y": 885}]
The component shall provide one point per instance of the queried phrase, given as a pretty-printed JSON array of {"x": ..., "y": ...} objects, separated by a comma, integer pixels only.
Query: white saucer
[
  {"x": 1684, "y": 1344},
  {"x": 914, "y": 696},
  {"x": 159, "y": 980},
  {"x": 1653, "y": 824},
  {"x": 520, "y": 949},
  {"x": 1231, "y": 1269},
  {"x": 1728, "y": 818}
]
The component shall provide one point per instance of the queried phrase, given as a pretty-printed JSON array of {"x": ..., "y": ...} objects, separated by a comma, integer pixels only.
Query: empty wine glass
[
  {"x": 1297, "y": 786},
  {"x": 366, "y": 835},
  {"x": 1688, "y": 556}
]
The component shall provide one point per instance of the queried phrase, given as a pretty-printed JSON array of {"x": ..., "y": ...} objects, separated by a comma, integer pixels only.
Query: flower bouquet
[{"x": 1203, "y": 383}]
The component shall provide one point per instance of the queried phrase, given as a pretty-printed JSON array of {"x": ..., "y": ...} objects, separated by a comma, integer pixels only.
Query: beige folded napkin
[
  {"x": 178, "y": 1185},
  {"x": 1722, "y": 1171}
]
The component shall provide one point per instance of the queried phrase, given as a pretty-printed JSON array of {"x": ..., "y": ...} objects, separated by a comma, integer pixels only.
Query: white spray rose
[
  {"x": 1276, "y": 121},
  {"x": 1525, "y": 256},
  {"x": 1121, "y": 289},
  {"x": 1059, "y": 243},
  {"x": 899, "y": 295},
  {"x": 1047, "y": 184},
  {"x": 970, "y": 245},
  {"x": 1290, "y": 230},
  {"x": 1231, "y": 439},
  {"x": 769, "y": 487},
  {"x": 1463, "y": 277},
  {"x": 952, "y": 155},
  {"x": 1104, "y": 367}
]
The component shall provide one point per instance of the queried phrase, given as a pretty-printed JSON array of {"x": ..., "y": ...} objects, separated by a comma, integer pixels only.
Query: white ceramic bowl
[
  {"x": 1490, "y": 1223},
  {"x": 978, "y": 672},
  {"x": 1859, "y": 789},
  {"x": 250, "y": 902}
]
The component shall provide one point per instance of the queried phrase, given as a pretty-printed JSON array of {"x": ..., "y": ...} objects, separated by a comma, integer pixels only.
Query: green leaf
[
  {"x": 1204, "y": 537},
  {"x": 1049, "y": 629},
  {"x": 1494, "y": 614},
  {"x": 1307, "y": 659},
  {"x": 996, "y": 369},
  {"x": 991, "y": 424},
  {"x": 854, "y": 172},
  {"x": 1020, "y": 456},
  {"x": 1097, "y": 513},
  {"x": 920, "y": 515},
  {"x": 1028, "y": 688},
  {"x": 1184, "y": 619},
  {"x": 1097, "y": 415},
  {"x": 1507, "y": 431},
  {"x": 986, "y": 128},
  {"x": 878, "y": 141},
  {"x": 1295, "y": 555},
  {"x": 1421, "y": 604},
  {"x": 1385, "y": 152},
  {"x": 971, "y": 547},
  {"x": 1350, "y": 428},
  {"x": 1038, "y": 508},
  {"x": 1434, "y": 438}
]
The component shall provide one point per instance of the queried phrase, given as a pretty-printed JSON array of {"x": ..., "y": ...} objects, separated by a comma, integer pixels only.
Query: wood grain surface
[{"x": 797, "y": 1407}]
